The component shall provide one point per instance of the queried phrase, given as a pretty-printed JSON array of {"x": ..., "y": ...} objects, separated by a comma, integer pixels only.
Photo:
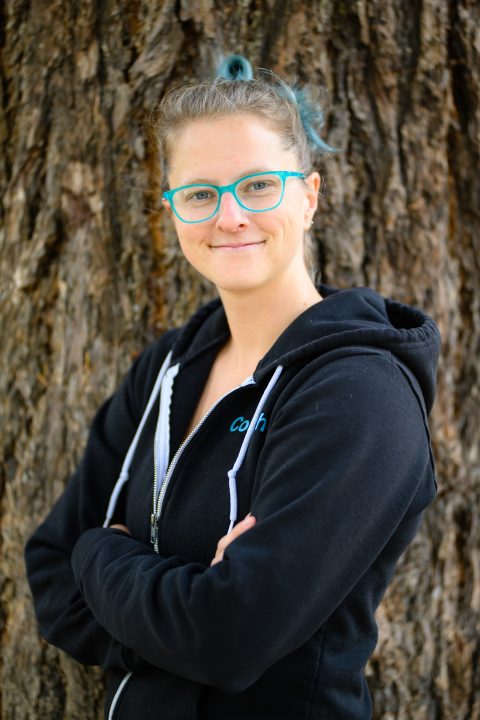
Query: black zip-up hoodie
[{"x": 327, "y": 445}]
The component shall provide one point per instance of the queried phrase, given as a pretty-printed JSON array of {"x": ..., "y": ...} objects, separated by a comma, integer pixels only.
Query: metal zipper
[
  {"x": 118, "y": 692},
  {"x": 158, "y": 501}
]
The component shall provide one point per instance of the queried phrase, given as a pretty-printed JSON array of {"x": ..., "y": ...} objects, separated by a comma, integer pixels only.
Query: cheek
[
  {"x": 191, "y": 241},
  {"x": 288, "y": 226},
  {"x": 186, "y": 246},
  {"x": 185, "y": 233}
]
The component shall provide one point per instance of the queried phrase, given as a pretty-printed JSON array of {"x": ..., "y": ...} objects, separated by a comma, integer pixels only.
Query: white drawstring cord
[
  {"x": 123, "y": 477},
  {"x": 162, "y": 432},
  {"x": 232, "y": 474}
]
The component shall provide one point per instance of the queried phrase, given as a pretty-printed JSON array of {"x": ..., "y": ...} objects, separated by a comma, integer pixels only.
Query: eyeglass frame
[{"x": 231, "y": 188}]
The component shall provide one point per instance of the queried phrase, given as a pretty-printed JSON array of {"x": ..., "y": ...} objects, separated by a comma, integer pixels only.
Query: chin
[{"x": 240, "y": 284}]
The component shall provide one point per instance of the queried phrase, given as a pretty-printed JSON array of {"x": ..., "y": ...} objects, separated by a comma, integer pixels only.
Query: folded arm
[
  {"x": 64, "y": 618},
  {"x": 340, "y": 470}
]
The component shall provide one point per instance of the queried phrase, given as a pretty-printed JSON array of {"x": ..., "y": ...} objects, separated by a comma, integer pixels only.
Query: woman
[{"x": 300, "y": 411}]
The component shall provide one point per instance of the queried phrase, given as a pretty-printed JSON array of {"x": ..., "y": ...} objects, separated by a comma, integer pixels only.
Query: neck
[{"x": 256, "y": 318}]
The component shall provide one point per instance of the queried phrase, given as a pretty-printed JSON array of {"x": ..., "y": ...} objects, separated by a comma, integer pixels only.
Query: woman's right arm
[{"x": 63, "y": 616}]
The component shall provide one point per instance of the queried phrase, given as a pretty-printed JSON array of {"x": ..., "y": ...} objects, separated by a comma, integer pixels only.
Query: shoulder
[
  {"x": 363, "y": 389},
  {"x": 352, "y": 426}
]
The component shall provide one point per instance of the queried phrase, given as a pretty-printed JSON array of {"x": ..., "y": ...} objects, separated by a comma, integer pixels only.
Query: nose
[{"x": 231, "y": 217}]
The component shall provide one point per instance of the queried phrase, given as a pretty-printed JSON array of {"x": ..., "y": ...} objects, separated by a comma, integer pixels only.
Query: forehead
[{"x": 221, "y": 150}]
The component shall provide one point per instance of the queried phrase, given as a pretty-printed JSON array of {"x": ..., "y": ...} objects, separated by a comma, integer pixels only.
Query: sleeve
[
  {"x": 64, "y": 618},
  {"x": 342, "y": 463}
]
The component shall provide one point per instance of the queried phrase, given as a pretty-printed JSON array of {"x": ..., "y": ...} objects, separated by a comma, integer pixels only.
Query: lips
[{"x": 236, "y": 246}]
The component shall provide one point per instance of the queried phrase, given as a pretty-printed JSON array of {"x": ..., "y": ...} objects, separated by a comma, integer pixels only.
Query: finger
[
  {"x": 240, "y": 528},
  {"x": 247, "y": 523},
  {"x": 119, "y": 526}
]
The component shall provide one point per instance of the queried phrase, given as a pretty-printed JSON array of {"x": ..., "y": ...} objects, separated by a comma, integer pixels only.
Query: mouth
[{"x": 232, "y": 246}]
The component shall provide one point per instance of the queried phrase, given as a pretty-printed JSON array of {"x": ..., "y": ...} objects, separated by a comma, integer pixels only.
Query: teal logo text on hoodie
[{"x": 241, "y": 424}]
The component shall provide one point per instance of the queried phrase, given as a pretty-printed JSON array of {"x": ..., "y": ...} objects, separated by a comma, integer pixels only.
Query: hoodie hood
[{"x": 344, "y": 318}]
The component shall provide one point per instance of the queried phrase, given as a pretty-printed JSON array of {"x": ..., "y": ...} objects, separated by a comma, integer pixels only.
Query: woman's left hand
[
  {"x": 119, "y": 526},
  {"x": 247, "y": 523}
]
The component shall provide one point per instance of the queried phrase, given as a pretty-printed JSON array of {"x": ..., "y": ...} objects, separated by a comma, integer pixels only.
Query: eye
[
  {"x": 200, "y": 195},
  {"x": 258, "y": 185},
  {"x": 261, "y": 185}
]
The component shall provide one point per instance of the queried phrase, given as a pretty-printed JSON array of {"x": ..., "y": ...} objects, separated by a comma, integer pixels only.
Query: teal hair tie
[
  {"x": 311, "y": 117},
  {"x": 310, "y": 113},
  {"x": 235, "y": 67}
]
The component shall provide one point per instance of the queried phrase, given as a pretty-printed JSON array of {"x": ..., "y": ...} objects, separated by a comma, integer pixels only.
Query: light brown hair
[{"x": 216, "y": 99}]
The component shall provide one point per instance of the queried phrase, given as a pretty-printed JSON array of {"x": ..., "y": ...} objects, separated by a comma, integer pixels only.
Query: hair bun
[{"x": 235, "y": 67}]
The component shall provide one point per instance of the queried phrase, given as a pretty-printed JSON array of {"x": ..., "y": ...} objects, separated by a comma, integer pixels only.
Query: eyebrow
[{"x": 205, "y": 181}]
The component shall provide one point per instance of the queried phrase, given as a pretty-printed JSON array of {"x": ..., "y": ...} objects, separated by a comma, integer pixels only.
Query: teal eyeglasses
[{"x": 259, "y": 192}]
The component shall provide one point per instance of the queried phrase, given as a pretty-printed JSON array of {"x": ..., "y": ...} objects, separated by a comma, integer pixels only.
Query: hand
[
  {"x": 119, "y": 526},
  {"x": 247, "y": 523}
]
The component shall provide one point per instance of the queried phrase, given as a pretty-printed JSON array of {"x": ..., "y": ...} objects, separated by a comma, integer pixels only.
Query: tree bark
[{"x": 90, "y": 272}]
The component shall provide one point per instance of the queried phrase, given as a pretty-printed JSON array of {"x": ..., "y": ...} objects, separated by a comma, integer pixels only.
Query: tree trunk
[{"x": 90, "y": 272}]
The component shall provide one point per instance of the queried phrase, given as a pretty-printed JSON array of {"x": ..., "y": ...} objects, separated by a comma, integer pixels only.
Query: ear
[
  {"x": 311, "y": 197},
  {"x": 167, "y": 207}
]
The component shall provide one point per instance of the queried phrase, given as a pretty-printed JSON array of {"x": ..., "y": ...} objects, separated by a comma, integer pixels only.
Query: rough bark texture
[{"x": 90, "y": 272}]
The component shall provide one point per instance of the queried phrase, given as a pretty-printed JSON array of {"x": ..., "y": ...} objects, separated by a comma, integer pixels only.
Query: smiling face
[{"x": 239, "y": 250}]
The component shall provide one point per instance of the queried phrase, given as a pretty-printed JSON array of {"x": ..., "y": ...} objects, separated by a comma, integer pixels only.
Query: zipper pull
[{"x": 154, "y": 530}]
